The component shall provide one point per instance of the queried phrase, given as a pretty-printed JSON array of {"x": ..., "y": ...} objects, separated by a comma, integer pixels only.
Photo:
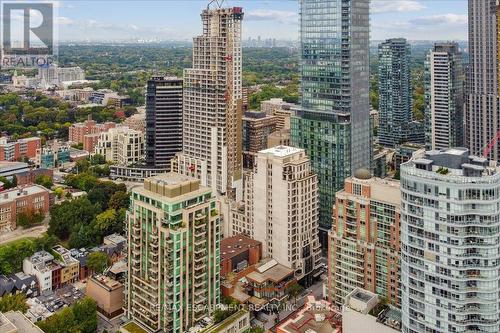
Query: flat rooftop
[
  {"x": 316, "y": 316},
  {"x": 106, "y": 282},
  {"x": 453, "y": 162},
  {"x": 19, "y": 321},
  {"x": 171, "y": 178},
  {"x": 19, "y": 192},
  {"x": 282, "y": 151},
  {"x": 362, "y": 296},
  {"x": 6, "y": 165},
  {"x": 115, "y": 238},
  {"x": 271, "y": 270},
  {"x": 233, "y": 246},
  {"x": 171, "y": 185}
]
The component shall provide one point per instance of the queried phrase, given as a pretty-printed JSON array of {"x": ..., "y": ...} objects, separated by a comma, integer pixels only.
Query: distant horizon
[
  {"x": 179, "y": 20},
  {"x": 140, "y": 41}
]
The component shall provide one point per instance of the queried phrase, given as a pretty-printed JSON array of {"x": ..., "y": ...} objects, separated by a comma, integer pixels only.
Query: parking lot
[
  {"x": 44, "y": 306},
  {"x": 69, "y": 294}
]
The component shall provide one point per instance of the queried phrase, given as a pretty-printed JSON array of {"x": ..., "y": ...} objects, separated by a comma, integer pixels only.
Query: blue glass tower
[{"x": 333, "y": 122}]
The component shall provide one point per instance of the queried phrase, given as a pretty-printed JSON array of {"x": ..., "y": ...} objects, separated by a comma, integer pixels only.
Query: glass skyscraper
[
  {"x": 395, "y": 95},
  {"x": 333, "y": 122}
]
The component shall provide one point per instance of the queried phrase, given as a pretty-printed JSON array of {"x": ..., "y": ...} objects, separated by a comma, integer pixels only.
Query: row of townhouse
[{"x": 62, "y": 266}]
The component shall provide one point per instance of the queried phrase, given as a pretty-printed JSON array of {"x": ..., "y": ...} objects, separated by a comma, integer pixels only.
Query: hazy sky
[{"x": 180, "y": 20}]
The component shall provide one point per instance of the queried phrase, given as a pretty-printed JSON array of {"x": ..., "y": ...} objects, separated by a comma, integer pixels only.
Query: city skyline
[{"x": 156, "y": 20}]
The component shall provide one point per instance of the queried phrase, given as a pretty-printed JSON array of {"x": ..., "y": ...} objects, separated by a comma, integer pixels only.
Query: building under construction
[{"x": 212, "y": 120}]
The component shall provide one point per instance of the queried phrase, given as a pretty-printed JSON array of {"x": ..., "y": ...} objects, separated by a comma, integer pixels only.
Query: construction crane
[
  {"x": 219, "y": 3},
  {"x": 487, "y": 150}
]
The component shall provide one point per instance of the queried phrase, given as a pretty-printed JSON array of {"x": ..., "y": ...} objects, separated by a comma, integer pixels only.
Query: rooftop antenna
[{"x": 218, "y": 3}]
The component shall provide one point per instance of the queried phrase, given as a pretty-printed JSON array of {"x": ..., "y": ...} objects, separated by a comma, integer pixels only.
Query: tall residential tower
[
  {"x": 444, "y": 97},
  {"x": 450, "y": 245},
  {"x": 482, "y": 101},
  {"x": 163, "y": 120},
  {"x": 285, "y": 202},
  {"x": 364, "y": 247},
  {"x": 212, "y": 126},
  {"x": 333, "y": 122},
  {"x": 173, "y": 231},
  {"x": 395, "y": 95}
]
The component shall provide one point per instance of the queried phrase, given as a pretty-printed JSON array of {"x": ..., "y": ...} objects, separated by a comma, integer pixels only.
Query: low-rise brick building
[
  {"x": 30, "y": 176},
  {"x": 14, "y": 150},
  {"x": 33, "y": 198},
  {"x": 107, "y": 293},
  {"x": 238, "y": 252}
]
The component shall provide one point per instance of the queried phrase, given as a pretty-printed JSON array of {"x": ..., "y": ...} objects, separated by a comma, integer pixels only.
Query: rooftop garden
[{"x": 132, "y": 328}]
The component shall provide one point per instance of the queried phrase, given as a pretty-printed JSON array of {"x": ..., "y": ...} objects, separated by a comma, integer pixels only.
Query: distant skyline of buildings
[{"x": 269, "y": 19}]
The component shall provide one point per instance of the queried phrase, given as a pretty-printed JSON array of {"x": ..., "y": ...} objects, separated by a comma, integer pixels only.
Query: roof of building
[
  {"x": 23, "y": 281},
  {"x": 18, "y": 321},
  {"x": 171, "y": 187},
  {"x": 132, "y": 327},
  {"x": 362, "y": 174},
  {"x": 281, "y": 151},
  {"x": 65, "y": 254},
  {"x": 106, "y": 282},
  {"x": 20, "y": 191},
  {"x": 41, "y": 257},
  {"x": 5, "y": 325},
  {"x": 361, "y": 302},
  {"x": 7, "y": 166},
  {"x": 233, "y": 246},
  {"x": 454, "y": 162},
  {"x": 33, "y": 138},
  {"x": 81, "y": 255},
  {"x": 33, "y": 171},
  {"x": 316, "y": 316},
  {"x": 270, "y": 270},
  {"x": 223, "y": 325},
  {"x": 119, "y": 267},
  {"x": 115, "y": 239},
  {"x": 6, "y": 285}
]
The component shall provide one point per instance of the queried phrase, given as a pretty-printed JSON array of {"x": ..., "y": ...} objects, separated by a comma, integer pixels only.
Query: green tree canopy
[
  {"x": 81, "y": 317},
  {"x": 12, "y": 254},
  {"x": 97, "y": 262},
  {"x": 70, "y": 215},
  {"x": 44, "y": 180},
  {"x": 13, "y": 303},
  {"x": 29, "y": 217}
]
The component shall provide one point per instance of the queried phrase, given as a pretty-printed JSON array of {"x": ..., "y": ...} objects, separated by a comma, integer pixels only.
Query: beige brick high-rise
[
  {"x": 212, "y": 132},
  {"x": 482, "y": 123},
  {"x": 285, "y": 210}
]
